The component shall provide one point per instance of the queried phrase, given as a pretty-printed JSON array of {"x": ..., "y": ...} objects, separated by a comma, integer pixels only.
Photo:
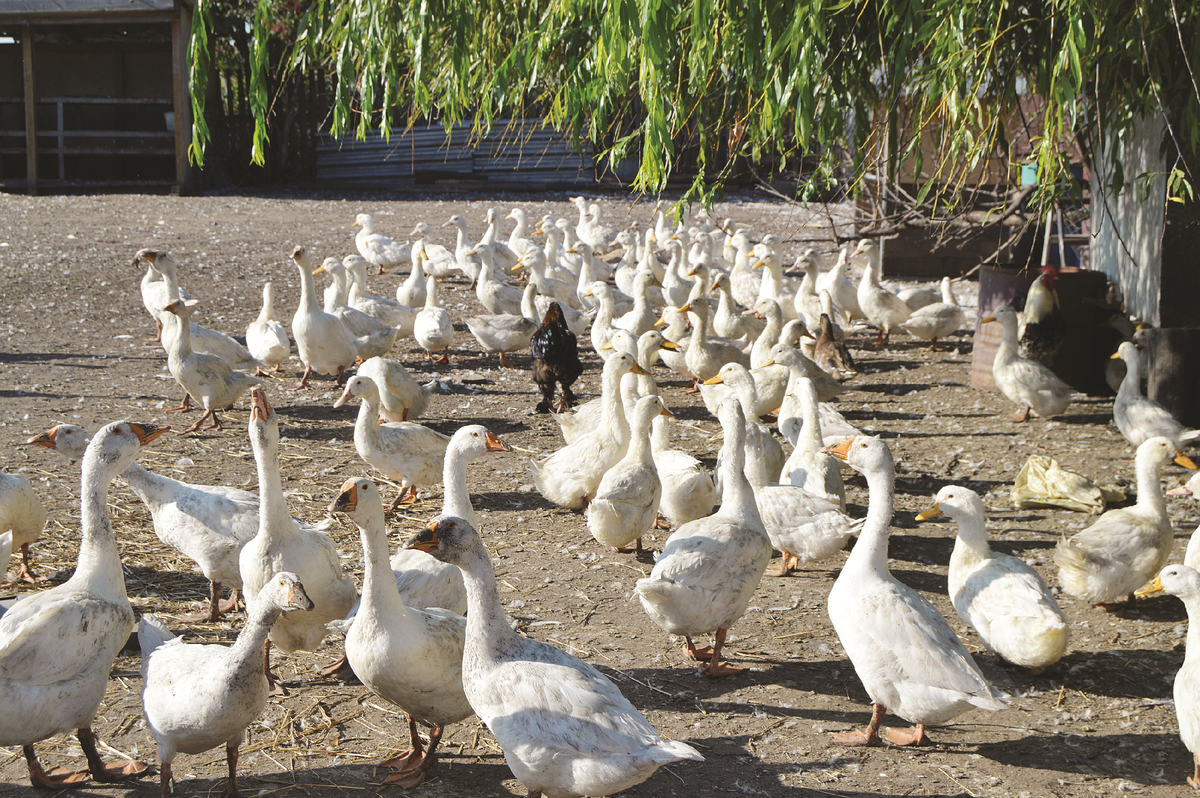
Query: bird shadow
[{"x": 1089, "y": 755}]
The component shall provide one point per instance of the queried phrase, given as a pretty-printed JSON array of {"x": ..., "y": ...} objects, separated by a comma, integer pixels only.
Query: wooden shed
[{"x": 93, "y": 93}]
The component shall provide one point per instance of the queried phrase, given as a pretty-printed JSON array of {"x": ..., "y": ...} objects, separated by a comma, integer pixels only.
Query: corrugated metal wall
[
  {"x": 523, "y": 155},
  {"x": 1129, "y": 224}
]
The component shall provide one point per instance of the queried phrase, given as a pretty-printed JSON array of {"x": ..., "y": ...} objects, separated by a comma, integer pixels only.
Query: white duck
[
  {"x": 208, "y": 524},
  {"x": 728, "y": 321},
  {"x": 411, "y": 292},
  {"x": 439, "y": 261},
  {"x": 385, "y": 309},
  {"x": 465, "y": 260},
  {"x": 198, "y": 696},
  {"x": 502, "y": 254},
  {"x": 409, "y": 453},
  {"x": 534, "y": 261},
  {"x": 518, "y": 241},
  {"x": 266, "y": 339},
  {"x": 1125, "y": 547},
  {"x": 804, "y": 527},
  {"x": 207, "y": 378},
  {"x": 909, "y": 659},
  {"x": 498, "y": 297},
  {"x": 709, "y": 568},
  {"x": 1191, "y": 556},
  {"x": 569, "y": 477},
  {"x": 284, "y": 545},
  {"x": 325, "y": 343},
  {"x": 410, "y": 657},
  {"x": 1184, "y": 582},
  {"x": 881, "y": 307},
  {"x": 22, "y": 518},
  {"x": 705, "y": 355},
  {"x": 378, "y": 250},
  {"x": 433, "y": 329},
  {"x": 999, "y": 595},
  {"x": 936, "y": 319},
  {"x": 58, "y": 646},
  {"x": 360, "y": 324},
  {"x": 1139, "y": 417},
  {"x": 565, "y": 729},
  {"x": 534, "y": 307},
  {"x": 744, "y": 389},
  {"x": 843, "y": 292},
  {"x": 688, "y": 491},
  {"x": 807, "y": 467},
  {"x": 401, "y": 397},
  {"x": 626, "y": 502},
  {"x": 1027, "y": 382},
  {"x": 502, "y": 333}
]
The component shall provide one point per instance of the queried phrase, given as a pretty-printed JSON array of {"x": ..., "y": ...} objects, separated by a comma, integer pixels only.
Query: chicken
[
  {"x": 1043, "y": 325},
  {"x": 555, "y": 359}
]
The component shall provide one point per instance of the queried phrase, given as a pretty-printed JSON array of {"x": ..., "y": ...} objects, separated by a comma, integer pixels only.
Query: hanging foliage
[{"x": 929, "y": 83}]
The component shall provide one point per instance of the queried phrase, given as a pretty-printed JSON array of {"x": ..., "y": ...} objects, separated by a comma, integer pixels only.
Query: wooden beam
[
  {"x": 182, "y": 127},
  {"x": 31, "y": 175}
]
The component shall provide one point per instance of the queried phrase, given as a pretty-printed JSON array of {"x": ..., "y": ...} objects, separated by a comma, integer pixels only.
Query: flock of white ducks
[{"x": 564, "y": 728}]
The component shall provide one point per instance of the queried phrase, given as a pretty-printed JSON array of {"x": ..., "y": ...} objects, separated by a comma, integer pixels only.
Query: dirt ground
[{"x": 74, "y": 350}]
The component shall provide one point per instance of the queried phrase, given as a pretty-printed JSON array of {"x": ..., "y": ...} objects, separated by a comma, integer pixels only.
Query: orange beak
[
  {"x": 46, "y": 438},
  {"x": 839, "y": 450},
  {"x": 494, "y": 444}
]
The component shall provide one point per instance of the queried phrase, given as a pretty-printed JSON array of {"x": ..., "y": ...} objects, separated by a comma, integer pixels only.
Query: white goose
[
  {"x": 807, "y": 467},
  {"x": 1184, "y": 582},
  {"x": 569, "y": 477},
  {"x": 385, "y": 309},
  {"x": 205, "y": 340},
  {"x": 909, "y": 659},
  {"x": 22, "y": 518},
  {"x": 208, "y": 524},
  {"x": 325, "y": 343},
  {"x": 688, "y": 491},
  {"x": 433, "y": 329},
  {"x": 1027, "y": 382},
  {"x": 882, "y": 308},
  {"x": 410, "y": 657},
  {"x": 1125, "y": 547},
  {"x": 207, "y": 378},
  {"x": 411, "y": 292},
  {"x": 284, "y": 545},
  {"x": 379, "y": 250},
  {"x": 627, "y": 499},
  {"x": 709, "y": 568},
  {"x": 198, "y": 696},
  {"x": 155, "y": 293},
  {"x": 565, "y": 729},
  {"x": 1139, "y": 417},
  {"x": 804, "y": 527},
  {"x": 401, "y": 398},
  {"x": 361, "y": 325},
  {"x": 266, "y": 339},
  {"x": 439, "y": 261},
  {"x": 999, "y": 595},
  {"x": 58, "y": 646},
  {"x": 409, "y": 453},
  {"x": 937, "y": 319}
]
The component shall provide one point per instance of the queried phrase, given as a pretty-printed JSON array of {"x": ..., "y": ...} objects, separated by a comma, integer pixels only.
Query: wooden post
[
  {"x": 31, "y": 175},
  {"x": 1172, "y": 378}
]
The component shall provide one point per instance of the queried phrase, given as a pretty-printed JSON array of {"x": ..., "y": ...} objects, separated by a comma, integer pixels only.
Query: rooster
[
  {"x": 1043, "y": 326},
  {"x": 555, "y": 360}
]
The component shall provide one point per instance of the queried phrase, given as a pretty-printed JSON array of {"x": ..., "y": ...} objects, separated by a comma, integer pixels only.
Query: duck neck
[
  {"x": 456, "y": 499},
  {"x": 518, "y": 231},
  {"x": 355, "y": 283},
  {"x": 487, "y": 624},
  {"x": 272, "y": 505},
  {"x": 182, "y": 345},
  {"x": 379, "y": 593},
  {"x": 308, "y": 291},
  {"x": 971, "y": 541},
  {"x": 1132, "y": 384},
  {"x": 99, "y": 564},
  {"x": 810, "y": 439},
  {"x": 431, "y": 292},
  {"x": 1006, "y": 352},
  {"x": 151, "y": 488},
  {"x": 1192, "y": 605},
  {"x": 246, "y": 653},
  {"x": 1149, "y": 485},
  {"x": 870, "y": 553},
  {"x": 268, "y": 307},
  {"x": 737, "y": 495},
  {"x": 613, "y": 410}
]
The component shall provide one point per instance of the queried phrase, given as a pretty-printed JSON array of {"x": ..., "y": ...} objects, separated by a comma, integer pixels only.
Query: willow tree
[{"x": 931, "y": 83}]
